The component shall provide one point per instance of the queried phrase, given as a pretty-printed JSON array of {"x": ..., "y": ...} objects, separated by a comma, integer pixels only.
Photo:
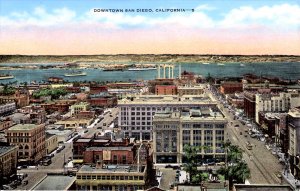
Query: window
[{"x": 124, "y": 159}]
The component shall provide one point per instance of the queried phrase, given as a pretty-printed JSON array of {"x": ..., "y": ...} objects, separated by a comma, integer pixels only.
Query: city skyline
[{"x": 73, "y": 28}]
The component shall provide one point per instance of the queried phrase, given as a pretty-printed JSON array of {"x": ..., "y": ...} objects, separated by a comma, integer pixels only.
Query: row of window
[
  {"x": 108, "y": 177},
  {"x": 108, "y": 187}
]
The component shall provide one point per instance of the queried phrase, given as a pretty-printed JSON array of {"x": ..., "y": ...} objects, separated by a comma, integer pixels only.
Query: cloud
[
  {"x": 283, "y": 15},
  {"x": 39, "y": 17},
  {"x": 277, "y": 15}
]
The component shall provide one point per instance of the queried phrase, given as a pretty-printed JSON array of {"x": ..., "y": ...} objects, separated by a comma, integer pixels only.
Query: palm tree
[
  {"x": 235, "y": 153},
  {"x": 190, "y": 166},
  {"x": 243, "y": 172}
]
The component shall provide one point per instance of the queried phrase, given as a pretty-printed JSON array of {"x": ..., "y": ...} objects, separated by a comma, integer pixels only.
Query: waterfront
[{"x": 284, "y": 70}]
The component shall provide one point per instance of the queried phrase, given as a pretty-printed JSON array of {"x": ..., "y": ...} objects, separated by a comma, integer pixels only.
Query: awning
[{"x": 77, "y": 161}]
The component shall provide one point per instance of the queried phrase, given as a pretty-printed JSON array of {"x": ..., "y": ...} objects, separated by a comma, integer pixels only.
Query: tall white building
[
  {"x": 135, "y": 117},
  {"x": 198, "y": 127},
  {"x": 275, "y": 102}
]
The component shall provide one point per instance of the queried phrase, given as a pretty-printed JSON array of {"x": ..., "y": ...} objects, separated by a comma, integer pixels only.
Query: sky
[{"x": 73, "y": 27}]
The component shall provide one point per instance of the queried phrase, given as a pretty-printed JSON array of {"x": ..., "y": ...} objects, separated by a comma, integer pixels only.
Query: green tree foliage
[
  {"x": 191, "y": 163},
  {"x": 191, "y": 157},
  {"x": 8, "y": 90},
  {"x": 238, "y": 170},
  {"x": 54, "y": 93}
]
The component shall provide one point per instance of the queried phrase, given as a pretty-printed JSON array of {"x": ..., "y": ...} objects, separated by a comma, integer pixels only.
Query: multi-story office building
[
  {"x": 198, "y": 127},
  {"x": 8, "y": 163},
  {"x": 190, "y": 90},
  {"x": 77, "y": 108},
  {"x": 273, "y": 102},
  {"x": 30, "y": 139},
  {"x": 135, "y": 117},
  {"x": 111, "y": 177},
  {"x": 7, "y": 108},
  {"x": 294, "y": 141},
  {"x": 249, "y": 104}
]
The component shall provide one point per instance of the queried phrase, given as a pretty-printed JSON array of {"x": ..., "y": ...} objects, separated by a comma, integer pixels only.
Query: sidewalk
[{"x": 290, "y": 179}]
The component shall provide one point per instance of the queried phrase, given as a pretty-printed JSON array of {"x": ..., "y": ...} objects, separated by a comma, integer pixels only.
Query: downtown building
[
  {"x": 275, "y": 102},
  {"x": 293, "y": 126},
  {"x": 30, "y": 139},
  {"x": 136, "y": 114},
  {"x": 198, "y": 127}
]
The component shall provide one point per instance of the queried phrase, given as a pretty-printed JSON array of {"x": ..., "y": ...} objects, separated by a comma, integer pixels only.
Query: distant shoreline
[{"x": 146, "y": 58}]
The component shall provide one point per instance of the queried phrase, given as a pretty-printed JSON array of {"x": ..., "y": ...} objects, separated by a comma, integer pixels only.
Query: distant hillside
[{"x": 148, "y": 58}]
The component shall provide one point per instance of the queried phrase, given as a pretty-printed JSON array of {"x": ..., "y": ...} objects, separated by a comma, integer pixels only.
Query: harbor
[{"x": 289, "y": 71}]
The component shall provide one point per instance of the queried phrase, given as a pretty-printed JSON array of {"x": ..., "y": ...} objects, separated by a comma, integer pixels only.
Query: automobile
[
  {"x": 220, "y": 163},
  {"x": 245, "y": 135},
  {"x": 168, "y": 166},
  {"x": 104, "y": 124},
  {"x": 241, "y": 133},
  {"x": 19, "y": 167},
  {"x": 85, "y": 131}
]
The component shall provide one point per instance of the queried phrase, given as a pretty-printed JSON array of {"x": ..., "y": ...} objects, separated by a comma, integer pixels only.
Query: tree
[
  {"x": 239, "y": 170},
  {"x": 190, "y": 166}
]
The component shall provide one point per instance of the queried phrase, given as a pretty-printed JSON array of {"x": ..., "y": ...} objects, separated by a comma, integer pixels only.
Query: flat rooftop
[
  {"x": 191, "y": 114},
  {"x": 112, "y": 169},
  {"x": 4, "y": 149},
  {"x": 25, "y": 127},
  {"x": 55, "y": 182},
  {"x": 109, "y": 148},
  {"x": 168, "y": 99}
]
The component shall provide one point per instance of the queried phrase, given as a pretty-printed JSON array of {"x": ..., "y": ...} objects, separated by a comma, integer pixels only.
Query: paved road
[
  {"x": 37, "y": 174},
  {"x": 108, "y": 118},
  {"x": 168, "y": 177},
  {"x": 263, "y": 165}
]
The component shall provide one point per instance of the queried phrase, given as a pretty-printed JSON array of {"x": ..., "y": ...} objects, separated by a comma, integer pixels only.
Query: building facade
[
  {"x": 165, "y": 90},
  {"x": 249, "y": 104},
  {"x": 190, "y": 90},
  {"x": 231, "y": 87},
  {"x": 173, "y": 130},
  {"x": 8, "y": 163},
  {"x": 5, "y": 124},
  {"x": 7, "y": 108},
  {"x": 135, "y": 117},
  {"x": 51, "y": 143},
  {"x": 273, "y": 102},
  {"x": 294, "y": 141},
  {"x": 77, "y": 108},
  {"x": 30, "y": 139},
  {"x": 111, "y": 177}
]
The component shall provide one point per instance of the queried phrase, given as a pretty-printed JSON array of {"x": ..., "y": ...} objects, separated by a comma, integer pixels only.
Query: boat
[
  {"x": 140, "y": 69},
  {"x": 205, "y": 63},
  {"x": 75, "y": 73},
  {"x": 112, "y": 69},
  {"x": 242, "y": 64},
  {"x": 220, "y": 64},
  {"x": 6, "y": 76}
]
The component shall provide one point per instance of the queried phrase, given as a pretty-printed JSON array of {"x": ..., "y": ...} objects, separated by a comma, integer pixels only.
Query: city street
[
  {"x": 38, "y": 173},
  {"x": 107, "y": 120},
  {"x": 263, "y": 165}
]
